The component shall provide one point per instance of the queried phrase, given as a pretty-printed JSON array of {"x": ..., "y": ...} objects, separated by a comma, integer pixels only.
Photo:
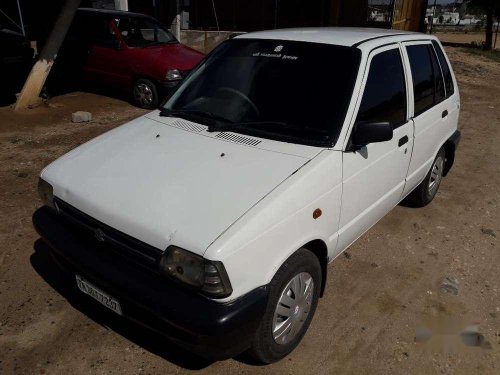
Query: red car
[{"x": 127, "y": 51}]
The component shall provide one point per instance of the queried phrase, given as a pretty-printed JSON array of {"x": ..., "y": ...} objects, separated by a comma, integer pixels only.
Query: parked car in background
[
  {"x": 127, "y": 51},
  {"x": 213, "y": 220}
]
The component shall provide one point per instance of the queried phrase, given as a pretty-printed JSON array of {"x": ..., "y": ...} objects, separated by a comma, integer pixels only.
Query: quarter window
[
  {"x": 384, "y": 98},
  {"x": 448, "y": 80},
  {"x": 438, "y": 78},
  {"x": 428, "y": 85}
]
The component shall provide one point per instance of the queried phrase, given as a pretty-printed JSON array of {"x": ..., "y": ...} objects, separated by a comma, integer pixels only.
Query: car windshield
[
  {"x": 142, "y": 32},
  {"x": 290, "y": 91}
]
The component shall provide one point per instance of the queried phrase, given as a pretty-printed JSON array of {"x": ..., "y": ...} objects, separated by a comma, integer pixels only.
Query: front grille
[{"x": 110, "y": 239}]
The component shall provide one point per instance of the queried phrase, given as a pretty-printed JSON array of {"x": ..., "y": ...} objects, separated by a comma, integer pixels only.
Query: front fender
[{"x": 256, "y": 246}]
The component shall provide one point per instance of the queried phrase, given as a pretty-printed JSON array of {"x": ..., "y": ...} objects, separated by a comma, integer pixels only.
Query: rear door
[
  {"x": 452, "y": 101},
  {"x": 106, "y": 63},
  {"x": 374, "y": 176},
  {"x": 432, "y": 109}
]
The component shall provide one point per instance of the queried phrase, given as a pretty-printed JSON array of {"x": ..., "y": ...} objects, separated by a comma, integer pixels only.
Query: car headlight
[
  {"x": 209, "y": 277},
  {"x": 46, "y": 193},
  {"x": 173, "y": 75}
]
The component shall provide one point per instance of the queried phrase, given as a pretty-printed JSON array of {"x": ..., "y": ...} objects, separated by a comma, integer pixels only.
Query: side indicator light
[{"x": 317, "y": 213}]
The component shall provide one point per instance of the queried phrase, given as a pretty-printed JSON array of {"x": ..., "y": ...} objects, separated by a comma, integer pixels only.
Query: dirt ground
[
  {"x": 465, "y": 38},
  {"x": 384, "y": 288}
]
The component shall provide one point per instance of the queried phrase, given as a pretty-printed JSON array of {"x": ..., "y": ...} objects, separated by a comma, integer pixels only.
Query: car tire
[
  {"x": 145, "y": 94},
  {"x": 278, "y": 335},
  {"x": 428, "y": 188}
]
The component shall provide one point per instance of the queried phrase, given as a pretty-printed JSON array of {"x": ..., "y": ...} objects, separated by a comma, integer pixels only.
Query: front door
[{"x": 374, "y": 176}]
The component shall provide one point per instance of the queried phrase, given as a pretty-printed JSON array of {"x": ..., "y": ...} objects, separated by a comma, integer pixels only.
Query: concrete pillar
[
  {"x": 121, "y": 5},
  {"x": 40, "y": 71},
  {"x": 176, "y": 23}
]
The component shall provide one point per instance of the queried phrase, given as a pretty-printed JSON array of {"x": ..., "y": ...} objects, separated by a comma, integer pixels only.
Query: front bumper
[{"x": 210, "y": 329}]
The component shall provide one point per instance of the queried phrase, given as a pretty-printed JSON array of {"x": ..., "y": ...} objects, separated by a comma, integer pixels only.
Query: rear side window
[
  {"x": 90, "y": 28},
  {"x": 384, "y": 98},
  {"x": 428, "y": 85},
  {"x": 448, "y": 80},
  {"x": 102, "y": 31}
]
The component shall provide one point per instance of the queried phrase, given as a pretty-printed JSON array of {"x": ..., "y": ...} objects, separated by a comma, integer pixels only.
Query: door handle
[
  {"x": 444, "y": 114},
  {"x": 403, "y": 141}
]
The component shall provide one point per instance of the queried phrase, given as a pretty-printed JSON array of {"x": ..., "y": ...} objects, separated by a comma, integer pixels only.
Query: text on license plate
[{"x": 98, "y": 295}]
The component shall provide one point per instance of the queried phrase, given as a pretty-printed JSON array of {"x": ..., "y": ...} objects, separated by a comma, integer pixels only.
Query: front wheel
[
  {"x": 293, "y": 297},
  {"x": 145, "y": 94}
]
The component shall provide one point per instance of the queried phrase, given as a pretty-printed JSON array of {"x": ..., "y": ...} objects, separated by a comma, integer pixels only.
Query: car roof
[
  {"x": 111, "y": 12},
  {"x": 342, "y": 36}
]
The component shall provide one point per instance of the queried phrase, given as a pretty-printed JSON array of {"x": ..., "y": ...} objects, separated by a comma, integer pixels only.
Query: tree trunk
[
  {"x": 488, "y": 44},
  {"x": 40, "y": 71}
]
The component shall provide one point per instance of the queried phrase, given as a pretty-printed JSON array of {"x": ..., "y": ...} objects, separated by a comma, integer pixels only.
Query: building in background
[
  {"x": 252, "y": 15},
  {"x": 202, "y": 17}
]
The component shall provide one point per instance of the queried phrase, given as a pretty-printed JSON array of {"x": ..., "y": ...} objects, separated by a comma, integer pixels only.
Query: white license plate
[{"x": 97, "y": 294}]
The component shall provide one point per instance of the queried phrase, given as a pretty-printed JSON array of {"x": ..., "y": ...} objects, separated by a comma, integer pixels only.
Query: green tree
[{"x": 492, "y": 9}]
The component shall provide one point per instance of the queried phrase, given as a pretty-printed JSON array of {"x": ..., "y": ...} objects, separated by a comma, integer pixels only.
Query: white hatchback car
[{"x": 213, "y": 219}]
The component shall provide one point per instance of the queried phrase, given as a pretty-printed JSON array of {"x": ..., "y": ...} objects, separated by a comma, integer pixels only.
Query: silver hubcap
[
  {"x": 436, "y": 174},
  {"x": 293, "y": 308},
  {"x": 143, "y": 94}
]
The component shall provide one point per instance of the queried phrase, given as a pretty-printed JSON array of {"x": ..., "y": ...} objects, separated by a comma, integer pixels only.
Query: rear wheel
[
  {"x": 428, "y": 188},
  {"x": 293, "y": 297},
  {"x": 145, "y": 94}
]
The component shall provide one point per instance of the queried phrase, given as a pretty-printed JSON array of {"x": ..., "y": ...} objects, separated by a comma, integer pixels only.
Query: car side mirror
[{"x": 365, "y": 133}]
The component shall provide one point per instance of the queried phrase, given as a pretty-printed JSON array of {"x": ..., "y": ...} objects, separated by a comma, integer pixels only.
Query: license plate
[{"x": 97, "y": 294}]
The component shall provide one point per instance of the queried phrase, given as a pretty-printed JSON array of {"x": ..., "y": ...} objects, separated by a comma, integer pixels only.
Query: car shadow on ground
[
  {"x": 407, "y": 203},
  {"x": 45, "y": 266}
]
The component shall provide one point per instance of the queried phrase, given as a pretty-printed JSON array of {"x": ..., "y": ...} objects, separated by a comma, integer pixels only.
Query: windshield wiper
[{"x": 203, "y": 116}]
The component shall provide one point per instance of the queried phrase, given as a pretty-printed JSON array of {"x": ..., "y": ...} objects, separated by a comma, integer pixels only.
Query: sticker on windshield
[{"x": 276, "y": 55}]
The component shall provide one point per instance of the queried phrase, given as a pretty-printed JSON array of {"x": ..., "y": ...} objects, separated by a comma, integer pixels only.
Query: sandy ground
[{"x": 379, "y": 293}]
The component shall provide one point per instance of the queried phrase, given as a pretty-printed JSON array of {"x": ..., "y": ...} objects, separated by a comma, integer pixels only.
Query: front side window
[
  {"x": 289, "y": 91},
  {"x": 142, "y": 32},
  {"x": 384, "y": 98},
  {"x": 428, "y": 85}
]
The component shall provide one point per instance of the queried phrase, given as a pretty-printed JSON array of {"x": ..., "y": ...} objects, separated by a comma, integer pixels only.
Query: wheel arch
[
  {"x": 449, "y": 149},
  {"x": 318, "y": 247},
  {"x": 138, "y": 76}
]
